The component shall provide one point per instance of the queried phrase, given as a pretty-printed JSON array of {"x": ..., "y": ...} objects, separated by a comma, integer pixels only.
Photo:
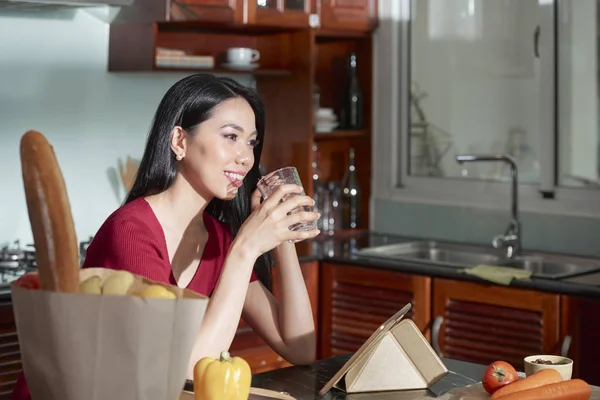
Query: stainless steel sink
[
  {"x": 465, "y": 256},
  {"x": 447, "y": 254},
  {"x": 545, "y": 266}
]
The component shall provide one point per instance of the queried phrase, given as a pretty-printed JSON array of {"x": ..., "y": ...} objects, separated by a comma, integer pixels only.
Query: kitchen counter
[
  {"x": 343, "y": 250},
  {"x": 304, "y": 382}
]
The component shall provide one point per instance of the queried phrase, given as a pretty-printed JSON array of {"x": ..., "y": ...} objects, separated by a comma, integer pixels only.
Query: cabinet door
[
  {"x": 350, "y": 15},
  {"x": 10, "y": 353},
  {"x": 580, "y": 327},
  {"x": 294, "y": 13},
  {"x": 483, "y": 323},
  {"x": 355, "y": 301},
  {"x": 208, "y": 10},
  {"x": 250, "y": 346}
]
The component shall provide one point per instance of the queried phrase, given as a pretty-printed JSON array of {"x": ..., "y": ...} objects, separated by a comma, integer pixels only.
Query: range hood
[{"x": 54, "y": 4}]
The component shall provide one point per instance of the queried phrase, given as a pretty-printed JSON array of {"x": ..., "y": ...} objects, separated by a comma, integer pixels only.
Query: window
[{"x": 515, "y": 77}]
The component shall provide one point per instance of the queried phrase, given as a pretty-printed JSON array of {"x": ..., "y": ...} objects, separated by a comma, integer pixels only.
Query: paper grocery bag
[{"x": 101, "y": 347}]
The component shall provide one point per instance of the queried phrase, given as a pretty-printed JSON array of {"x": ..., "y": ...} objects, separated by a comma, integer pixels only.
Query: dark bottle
[
  {"x": 351, "y": 113},
  {"x": 351, "y": 195}
]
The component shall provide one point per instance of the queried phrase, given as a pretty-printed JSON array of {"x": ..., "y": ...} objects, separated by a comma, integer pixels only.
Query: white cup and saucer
[{"x": 242, "y": 59}]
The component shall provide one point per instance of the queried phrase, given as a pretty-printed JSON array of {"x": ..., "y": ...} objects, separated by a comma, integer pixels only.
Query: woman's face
[{"x": 221, "y": 152}]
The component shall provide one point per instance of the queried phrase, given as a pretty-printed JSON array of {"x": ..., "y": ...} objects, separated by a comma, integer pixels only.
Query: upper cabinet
[
  {"x": 349, "y": 15},
  {"x": 151, "y": 11},
  {"x": 329, "y": 15},
  {"x": 289, "y": 13},
  {"x": 207, "y": 10}
]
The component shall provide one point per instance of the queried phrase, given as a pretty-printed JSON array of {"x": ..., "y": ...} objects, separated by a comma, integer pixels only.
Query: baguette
[{"x": 50, "y": 215}]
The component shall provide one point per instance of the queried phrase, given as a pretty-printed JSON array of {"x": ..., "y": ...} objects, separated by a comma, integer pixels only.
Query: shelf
[
  {"x": 256, "y": 72},
  {"x": 330, "y": 35},
  {"x": 133, "y": 48},
  {"x": 200, "y": 26},
  {"x": 340, "y": 134}
]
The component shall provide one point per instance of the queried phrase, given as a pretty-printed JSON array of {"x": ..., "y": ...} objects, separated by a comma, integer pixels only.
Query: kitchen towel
[{"x": 499, "y": 275}]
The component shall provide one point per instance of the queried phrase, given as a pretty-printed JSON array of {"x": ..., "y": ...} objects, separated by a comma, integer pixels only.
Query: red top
[{"x": 132, "y": 239}]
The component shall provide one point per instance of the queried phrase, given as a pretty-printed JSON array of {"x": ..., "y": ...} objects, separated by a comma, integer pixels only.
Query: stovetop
[{"x": 16, "y": 260}]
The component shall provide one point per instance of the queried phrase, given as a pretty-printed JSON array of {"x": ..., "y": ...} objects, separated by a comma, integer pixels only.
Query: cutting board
[{"x": 255, "y": 394}]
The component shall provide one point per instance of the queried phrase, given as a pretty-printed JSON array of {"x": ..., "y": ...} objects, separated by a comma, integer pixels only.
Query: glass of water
[{"x": 288, "y": 175}]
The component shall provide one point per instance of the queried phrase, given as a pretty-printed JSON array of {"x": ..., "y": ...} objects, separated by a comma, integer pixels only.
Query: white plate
[
  {"x": 241, "y": 67},
  {"x": 325, "y": 128}
]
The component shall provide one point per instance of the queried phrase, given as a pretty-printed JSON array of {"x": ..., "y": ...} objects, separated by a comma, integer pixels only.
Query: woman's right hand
[{"x": 268, "y": 225}]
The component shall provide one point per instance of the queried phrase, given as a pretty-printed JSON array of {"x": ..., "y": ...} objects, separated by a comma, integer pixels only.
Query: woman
[{"x": 194, "y": 218}]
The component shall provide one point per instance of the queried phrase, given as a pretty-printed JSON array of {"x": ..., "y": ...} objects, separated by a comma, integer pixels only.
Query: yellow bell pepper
[{"x": 227, "y": 378}]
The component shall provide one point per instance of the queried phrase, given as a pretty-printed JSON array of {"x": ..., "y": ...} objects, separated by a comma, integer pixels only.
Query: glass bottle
[
  {"x": 317, "y": 174},
  {"x": 351, "y": 195},
  {"x": 351, "y": 112},
  {"x": 318, "y": 184}
]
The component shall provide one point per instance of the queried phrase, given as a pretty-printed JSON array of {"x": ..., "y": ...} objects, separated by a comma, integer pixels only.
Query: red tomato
[
  {"x": 29, "y": 281},
  {"x": 498, "y": 374}
]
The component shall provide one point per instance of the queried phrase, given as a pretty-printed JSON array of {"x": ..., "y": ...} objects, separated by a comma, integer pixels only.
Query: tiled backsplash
[
  {"x": 53, "y": 78},
  {"x": 553, "y": 233}
]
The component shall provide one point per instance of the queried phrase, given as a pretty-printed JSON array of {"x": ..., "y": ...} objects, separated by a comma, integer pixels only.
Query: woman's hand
[{"x": 268, "y": 225}]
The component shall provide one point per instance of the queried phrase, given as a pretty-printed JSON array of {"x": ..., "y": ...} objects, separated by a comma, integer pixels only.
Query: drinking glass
[{"x": 287, "y": 175}]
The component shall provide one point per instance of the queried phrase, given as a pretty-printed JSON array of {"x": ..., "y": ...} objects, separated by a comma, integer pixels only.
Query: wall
[
  {"x": 543, "y": 232},
  {"x": 53, "y": 79}
]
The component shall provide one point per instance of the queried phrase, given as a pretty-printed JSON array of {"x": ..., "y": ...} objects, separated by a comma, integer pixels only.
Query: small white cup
[
  {"x": 242, "y": 55},
  {"x": 565, "y": 366}
]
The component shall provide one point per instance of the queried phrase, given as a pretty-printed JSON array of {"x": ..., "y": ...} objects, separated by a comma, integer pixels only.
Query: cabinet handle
[
  {"x": 435, "y": 334},
  {"x": 536, "y": 42},
  {"x": 566, "y": 345}
]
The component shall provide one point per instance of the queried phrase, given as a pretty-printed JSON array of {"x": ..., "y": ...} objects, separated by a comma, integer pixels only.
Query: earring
[{"x": 179, "y": 157}]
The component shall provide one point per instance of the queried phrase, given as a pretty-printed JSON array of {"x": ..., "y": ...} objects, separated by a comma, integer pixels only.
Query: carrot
[
  {"x": 573, "y": 389},
  {"x": 540, "y": 378}
]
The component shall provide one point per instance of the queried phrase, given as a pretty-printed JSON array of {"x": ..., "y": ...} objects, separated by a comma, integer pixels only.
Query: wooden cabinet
[
  {"x": 482, "y": 323},
  {"x": 207, "y": 10},
  {"x": 349, "y": 15},
  {"x": 257, "y": 352},
  {"x": 10, "y": 353},
  {"x": 157, "y": 11},
  {"x": 284, "y": 13},
  {"x": 580, "y": 326},
  {"x": 339, "y": 15},
  {"x": 356, "y": 301}
]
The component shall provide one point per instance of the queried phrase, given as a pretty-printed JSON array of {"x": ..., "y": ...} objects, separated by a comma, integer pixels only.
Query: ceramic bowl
[{"x": 563, "y": 365}]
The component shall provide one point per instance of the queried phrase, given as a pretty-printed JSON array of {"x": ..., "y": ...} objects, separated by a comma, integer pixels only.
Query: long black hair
[{"x": 188, "y": 103}]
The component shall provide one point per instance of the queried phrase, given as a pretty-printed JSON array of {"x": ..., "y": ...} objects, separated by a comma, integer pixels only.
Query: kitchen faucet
[{"x": 510, "y": 241}]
